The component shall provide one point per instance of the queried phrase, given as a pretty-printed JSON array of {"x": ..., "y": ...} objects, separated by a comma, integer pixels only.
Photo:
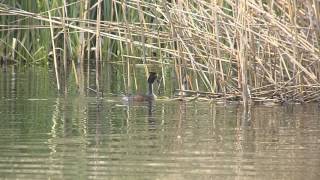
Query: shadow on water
[{"x": 45, "y": 136}]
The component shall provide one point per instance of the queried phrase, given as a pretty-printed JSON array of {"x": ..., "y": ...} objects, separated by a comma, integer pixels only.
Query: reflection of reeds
[{"x": 263, "y": 50}]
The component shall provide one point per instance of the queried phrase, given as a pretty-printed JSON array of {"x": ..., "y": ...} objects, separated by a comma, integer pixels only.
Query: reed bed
[{"x": 223, "y": 49}]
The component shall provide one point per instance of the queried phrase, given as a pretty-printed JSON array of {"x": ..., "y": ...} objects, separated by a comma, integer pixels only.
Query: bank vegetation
[{"x": 223, "y": 49}]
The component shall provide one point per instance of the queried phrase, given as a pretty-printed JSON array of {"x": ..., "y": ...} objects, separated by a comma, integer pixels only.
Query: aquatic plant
[{"x": 229, "y": 49}]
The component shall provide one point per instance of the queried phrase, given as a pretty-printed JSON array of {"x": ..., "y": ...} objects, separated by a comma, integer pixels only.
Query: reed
[
  {"x": 252, "y": 50},
  {"x": 54, "y": 49}
]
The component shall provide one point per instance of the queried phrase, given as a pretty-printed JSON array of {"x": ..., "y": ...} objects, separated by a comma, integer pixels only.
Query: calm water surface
[{"x": 44, "y": 136}]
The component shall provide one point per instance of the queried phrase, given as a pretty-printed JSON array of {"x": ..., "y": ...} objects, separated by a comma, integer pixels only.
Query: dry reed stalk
[
  {"x": 54, "y": 49},
  {"x": 76, "y": 75},
  {"x": 120, "y": 44},
  {"x": 242, "y": 10},
  {"x": 161, "y": 57},
  {"x": 98, "y": 47},
  {"x": 64, "y": 12},
  {"x": 127, "y": 40},
  {"x": 13, "y": 47},
  {"x": 83, "y": 18},
  {"x": 143, "y": 37},
  {"x": 217, "y": 32},
  {"x": 79, "y": 70}
]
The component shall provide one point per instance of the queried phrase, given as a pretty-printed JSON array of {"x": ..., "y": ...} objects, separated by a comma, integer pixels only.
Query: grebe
[{"x": 147, "y": 97}]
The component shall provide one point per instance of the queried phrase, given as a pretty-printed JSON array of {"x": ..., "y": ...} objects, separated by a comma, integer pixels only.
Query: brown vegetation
[{"x": 251, "y": 49}]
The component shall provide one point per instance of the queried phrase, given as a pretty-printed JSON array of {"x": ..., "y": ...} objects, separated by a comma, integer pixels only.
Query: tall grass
[{"x": 228, "y": 49}]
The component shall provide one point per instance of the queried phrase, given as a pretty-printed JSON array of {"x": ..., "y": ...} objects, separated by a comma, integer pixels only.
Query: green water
[{"x": 45, "y": 136}]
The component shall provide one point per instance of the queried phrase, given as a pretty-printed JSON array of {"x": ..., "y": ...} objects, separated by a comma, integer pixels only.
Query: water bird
[{"x": 150, "y": 96}]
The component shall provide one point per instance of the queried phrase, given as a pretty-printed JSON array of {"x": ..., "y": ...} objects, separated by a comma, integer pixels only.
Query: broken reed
[{"x": 225, "y": 48}]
